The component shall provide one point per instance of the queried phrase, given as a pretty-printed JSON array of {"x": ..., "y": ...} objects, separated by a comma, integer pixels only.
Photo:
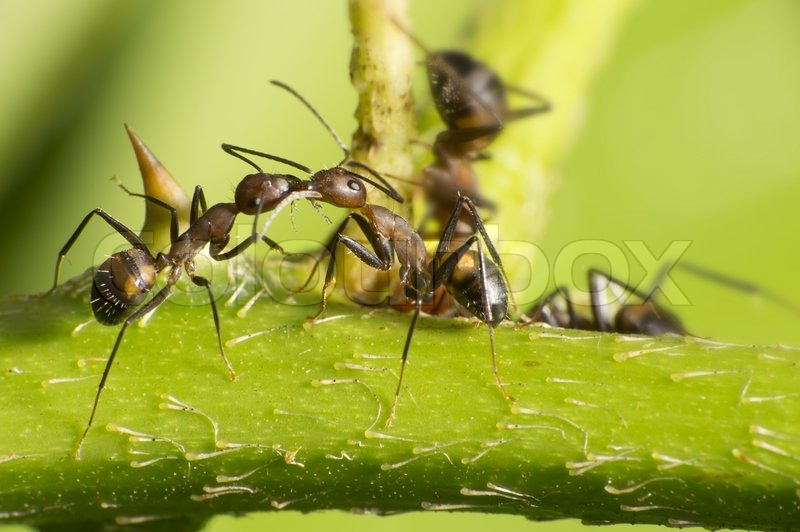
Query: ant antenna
[
  {"x": 413, "y": 38},
  {"x": 386, "y": 188},
  {"x": 408, "y": 181},
  {"x": 305, "y": 102},
  {"x": 738, "y": 284},
  {"x": 230, "y": 149}
]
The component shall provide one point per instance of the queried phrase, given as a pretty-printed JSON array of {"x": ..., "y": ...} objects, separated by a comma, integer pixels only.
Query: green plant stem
[{"x": 605, "y": 428}]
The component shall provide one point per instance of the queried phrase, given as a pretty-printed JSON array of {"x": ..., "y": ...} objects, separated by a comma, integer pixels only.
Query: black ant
[
  {"x": 121, "y": 283},
  {"x": 644, "y": 317},
  {"x": 474, "y": 281},
  {"x": 471, "y": 100}
]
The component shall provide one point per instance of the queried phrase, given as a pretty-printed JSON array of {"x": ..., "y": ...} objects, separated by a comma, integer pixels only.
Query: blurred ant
[
  {"x": 645, "y": 317},
  {"x": 471, "y": 99},
  {"x": 121, "y": 283}
]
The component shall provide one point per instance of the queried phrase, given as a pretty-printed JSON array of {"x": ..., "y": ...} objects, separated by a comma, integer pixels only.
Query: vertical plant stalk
[{"x": 381, "y": 67}]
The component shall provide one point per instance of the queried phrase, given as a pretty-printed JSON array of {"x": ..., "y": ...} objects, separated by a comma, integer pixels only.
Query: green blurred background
[{"x": 692, "y": 133}]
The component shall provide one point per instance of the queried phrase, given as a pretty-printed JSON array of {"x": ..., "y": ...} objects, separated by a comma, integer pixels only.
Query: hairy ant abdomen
[{"x": 120, "y": 284}]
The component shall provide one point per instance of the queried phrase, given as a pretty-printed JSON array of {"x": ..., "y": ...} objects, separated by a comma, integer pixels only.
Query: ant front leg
[
  {"x": 118, "y": 226},
  {"x": 152, "y": 304},
  {"x": 382, "y": 258},
  {"x": 198, "y": 200}
]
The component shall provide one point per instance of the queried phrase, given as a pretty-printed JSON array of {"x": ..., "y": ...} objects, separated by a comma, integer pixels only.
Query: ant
[
  {"x": 121, "y": 283},
  {"x": 645, "y": 317},
  {"x": 471, "y": 99},
  {"x": 473, "y": 280}
]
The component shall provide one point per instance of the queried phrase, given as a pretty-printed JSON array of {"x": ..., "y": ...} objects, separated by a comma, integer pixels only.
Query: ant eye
[
  {"x": 354, "y": 185},
  {"x": 255, "y": 202}
]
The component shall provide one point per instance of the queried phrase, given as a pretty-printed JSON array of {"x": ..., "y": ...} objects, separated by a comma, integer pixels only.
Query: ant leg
[
  {"x": 487, "y": 309},
  {"x": 544, "y": 105},
  {"x": 173, "y": 223},
  {"x": 118, "y": 226},
  {"x": 545, "y": 311},
  {"x": 205, "y": 283},
  {"x": 381, "y": 258},
  {"x": 153, "y": 303},
  {"x": 244, "y": 245},
  {"x": 198, "y": 200},
  {"x": 459, "y": 136},
  {"x": 237, "y": 152},
  {"x": 447, "y": 236},
  {"x": 409, "y": 335},
  {"x": 600, "y": 304},
  {"x": 443, "y": 272}
]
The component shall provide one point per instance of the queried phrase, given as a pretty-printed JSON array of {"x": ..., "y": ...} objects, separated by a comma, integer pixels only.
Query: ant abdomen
[
  {"x": 472, "y": 290},
  {"x": 120, "y": 285},
  {"x": 483, "y": 103}
]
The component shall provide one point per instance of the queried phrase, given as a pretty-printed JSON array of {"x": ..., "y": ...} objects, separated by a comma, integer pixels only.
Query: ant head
[
  {"x": 261, "y": 192},
  {"x": 120, "y": 284},
  {"x": 340, "y": 187}
]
